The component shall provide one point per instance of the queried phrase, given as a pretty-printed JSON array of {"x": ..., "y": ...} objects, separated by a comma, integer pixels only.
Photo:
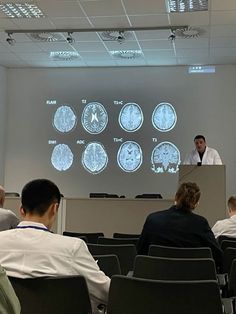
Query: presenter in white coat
[{"x": 202, "y": 154}]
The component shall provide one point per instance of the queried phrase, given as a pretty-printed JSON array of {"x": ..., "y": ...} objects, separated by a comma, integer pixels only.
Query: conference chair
[
  {"x": 117, "y": 241},
  {"x": 12, "y": 194},
  {"x": 126, "y": 254},
  {"x": 226, "y": 243},
  {"x": 179, "y": 252},
  {"x": 92, "y": 237},
  {"x": 225, "y": 238},
  {"x": 125, "y": 235},
  {"x": 60, "y": 295},
  {"x": 160, "y": 268},
  {"x": 109, "y": 264},
  {"x": 228, "y": 257},
  {"x": 232, "y": 280},
  {"x": 129, "y": 295},
  {"x": 84, "y": 238}
]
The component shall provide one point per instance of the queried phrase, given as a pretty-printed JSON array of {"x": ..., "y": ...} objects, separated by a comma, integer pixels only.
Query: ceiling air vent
[{"x": 46, "y": 37}]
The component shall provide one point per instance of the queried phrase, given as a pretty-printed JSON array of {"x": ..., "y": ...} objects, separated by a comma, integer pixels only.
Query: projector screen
[{"x": 120, "y": 131}]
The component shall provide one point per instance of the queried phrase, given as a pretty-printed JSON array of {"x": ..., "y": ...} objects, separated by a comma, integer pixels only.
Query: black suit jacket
[{"x": 179, "y": 228}]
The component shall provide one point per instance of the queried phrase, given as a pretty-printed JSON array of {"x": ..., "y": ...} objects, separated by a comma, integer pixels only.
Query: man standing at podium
[{"x": 202, "y": 154}]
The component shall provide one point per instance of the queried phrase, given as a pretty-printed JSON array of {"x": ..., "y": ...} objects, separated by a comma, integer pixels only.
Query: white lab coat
[{"x": 210, "y": 157}]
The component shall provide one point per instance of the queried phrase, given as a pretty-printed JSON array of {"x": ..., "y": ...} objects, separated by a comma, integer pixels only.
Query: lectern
[{"x": 211, "y": 180}]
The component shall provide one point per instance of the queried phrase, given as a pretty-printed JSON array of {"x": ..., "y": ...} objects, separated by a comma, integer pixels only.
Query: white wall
[
  {"x": 205, "y": 104},
  {"x": 3, "y": 119}
]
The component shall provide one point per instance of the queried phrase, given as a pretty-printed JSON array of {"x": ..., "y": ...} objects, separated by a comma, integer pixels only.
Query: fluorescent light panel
[
  {"x": 64, "y": 55},
  {"x": 187, "y": 5},
  {"x": 201, "y": 69},
  {"x": 126, "y": 54},
  {"x": 21, "y": 10}
]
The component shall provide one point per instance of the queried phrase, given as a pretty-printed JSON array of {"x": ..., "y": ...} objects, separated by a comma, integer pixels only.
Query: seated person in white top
[
  {"x": 8, "y": 219},
  {"x": 202, "y": 154},
  {"x": 31, "y": 250},
  {"x": 227, "y": 227}
]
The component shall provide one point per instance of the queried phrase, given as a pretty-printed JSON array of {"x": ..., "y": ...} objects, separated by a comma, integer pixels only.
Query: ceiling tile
[
  {"x": 193, "y": 61},
  {"x": 103, "y": 8},
  {"x": 156, "y": 44},
  {"x": 149, "y": 20},
  {"x": 160, "y": 61},
  {"x": 62, "y": 9},
  {"x": 72, "y": 22},
  {"x": 192, "y": 53},
  {"x": 152, "y": 34},
  {"x": 161, "y": 53},
  {"x": 191, "y": 43},
  {"x": 89, "y": 46},
  {"x": 223, "y": 42},
  {"x": 190, "y": 19},
  {"x": 110, "y": 22},
  {"x": 145, "y": 7},
  {"x": 223, "y": 31},
  {"x": 226, "y": 52},
  {"x": 127, "y": 45},
  {"x": 223, "y": 17},
  {"x": 223, "y": 5},
  {"x": 41, "y": 23}
]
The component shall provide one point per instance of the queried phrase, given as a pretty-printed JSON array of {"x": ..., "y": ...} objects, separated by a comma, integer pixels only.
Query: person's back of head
[
  {"x": 232, "y": 205},
  {"x": 2, "y": 196},
  {"x": 38, "y": 195},
  {"x": 187, "y": 196}
]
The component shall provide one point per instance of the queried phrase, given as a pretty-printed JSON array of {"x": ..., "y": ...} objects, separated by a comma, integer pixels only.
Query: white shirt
[
  {"x": 226, "y": 227},
  {"x": 210, "y": 157},
  {"x": 8, "y": 219},
  {"x": 30, "y": 252}
]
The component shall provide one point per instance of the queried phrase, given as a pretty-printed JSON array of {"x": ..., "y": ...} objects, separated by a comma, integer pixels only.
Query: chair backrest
[
  {"x": 9, "y": 302},
  {"x": 160, "y": 268},
  {"x": 109, "y": 264},
  {"x": 117, "y": 241},
  {"x": 226, "y": 243},
  {"x": 130, "y": 295},
  {"x": 126, "y": 254},
  {"x": 125, "y": 235},
  {"x": 228, "y": 257},
  {"x": 61, "y": 295},
  {"x": 224, "y": 238},
  {"x": 92, "y": 237},
  {"x": 179, "y": 252},
  {"x": 232, "y": 279}
]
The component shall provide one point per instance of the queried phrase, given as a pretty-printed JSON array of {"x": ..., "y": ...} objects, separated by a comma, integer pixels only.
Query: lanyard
[{"x": 33, "y": 227}]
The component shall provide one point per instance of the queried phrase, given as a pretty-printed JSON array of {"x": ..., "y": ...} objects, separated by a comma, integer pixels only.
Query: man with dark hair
[
  {"x": 8, "y": 219},
  {"x": 202, "y": 154},
  {"x": 31, "y": 250},
  {"x": 227, "y": 227}
]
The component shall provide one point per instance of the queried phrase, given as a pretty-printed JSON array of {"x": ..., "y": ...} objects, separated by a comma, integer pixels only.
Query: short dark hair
[
  {"x": 199, "y": 136},
  {"x": 38, "y": 195},
  {"x": 187, "y": 195}
]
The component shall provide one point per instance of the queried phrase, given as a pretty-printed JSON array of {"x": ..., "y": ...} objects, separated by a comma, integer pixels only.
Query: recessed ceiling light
[
  {"x": 21, "y": 10},
  {"x": 201, "y": 69},
  {"x": 126, "y": 54},
  {"x": 64, "y": 55},
  {"x": 187, "y": 5}
]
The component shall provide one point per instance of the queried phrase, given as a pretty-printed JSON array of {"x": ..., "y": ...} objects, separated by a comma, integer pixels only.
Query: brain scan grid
[{"x": 164, "y": 155}]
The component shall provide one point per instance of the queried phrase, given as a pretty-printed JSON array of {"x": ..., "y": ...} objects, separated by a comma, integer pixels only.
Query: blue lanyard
[{"x": 33, "y": 227}]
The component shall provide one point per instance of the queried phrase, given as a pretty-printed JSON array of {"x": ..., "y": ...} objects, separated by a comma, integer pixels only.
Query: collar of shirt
[
  {"x": 31, "y": 224},
  {"x": 233, "y": 217}
]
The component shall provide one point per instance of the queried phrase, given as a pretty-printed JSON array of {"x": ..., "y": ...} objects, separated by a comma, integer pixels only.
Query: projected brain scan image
[
  {"x": 129, "y": 156},
  {"x": 64, "y": 119},
  {"x": 62, "y": 157},
  {"x": 94, "y": 158},
  {"x": 94, "y": 118},
  {"x": 165, "y": 158},
  {"x": 164, "y": 117},
  {"x": 131, "y": 117}
]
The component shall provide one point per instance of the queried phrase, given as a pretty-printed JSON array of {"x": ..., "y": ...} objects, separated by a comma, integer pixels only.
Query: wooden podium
[{"x": 211, "y": 180}]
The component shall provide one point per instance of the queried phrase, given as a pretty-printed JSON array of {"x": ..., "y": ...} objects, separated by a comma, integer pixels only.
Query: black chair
[
  {"x": 117, "y": 241},
  {"x": 228, "y": 257},
  {"x": 232, "y": 279},
  {"x": 179, "y": 252},
  {"x": 160, "y": 268},
  {"x": 84, "y": 238},
  {"x": 130, "y": 295},
  {"x": 109, "y": 264},
  {"x": 125, "y": 235},
  {"x": 126, "y": 254},
  {"x": 226, "y": 243},
  {"x": 12, "y": 194},
  {"x": 60, "y": 295},
  {"x": 225, "y": 238},
  {"x": 92, "y": 237}
]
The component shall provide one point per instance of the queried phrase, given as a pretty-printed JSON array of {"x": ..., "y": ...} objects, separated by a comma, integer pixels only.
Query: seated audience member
[
  {"x": 178, "y": 226},
  {"x": 227, "y": 227},
  {"x": 31, "y": 250},
  {"x": 8, "y": 219},
  {"x": 9, "y": 303}
]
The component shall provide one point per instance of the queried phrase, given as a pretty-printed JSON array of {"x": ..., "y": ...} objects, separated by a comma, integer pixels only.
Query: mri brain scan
[
  {"x": 62, "y": 157},
  {"x": 165, "y": 158},
  {"x": 131, "y": 117},
  {"x": 64, "y": 119},
  {"x": 94, "y": 158},
  {"x": 94, "y": 118},
  {"x": 129, "y": 156},
  {"x": 164, "y": 117}
]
